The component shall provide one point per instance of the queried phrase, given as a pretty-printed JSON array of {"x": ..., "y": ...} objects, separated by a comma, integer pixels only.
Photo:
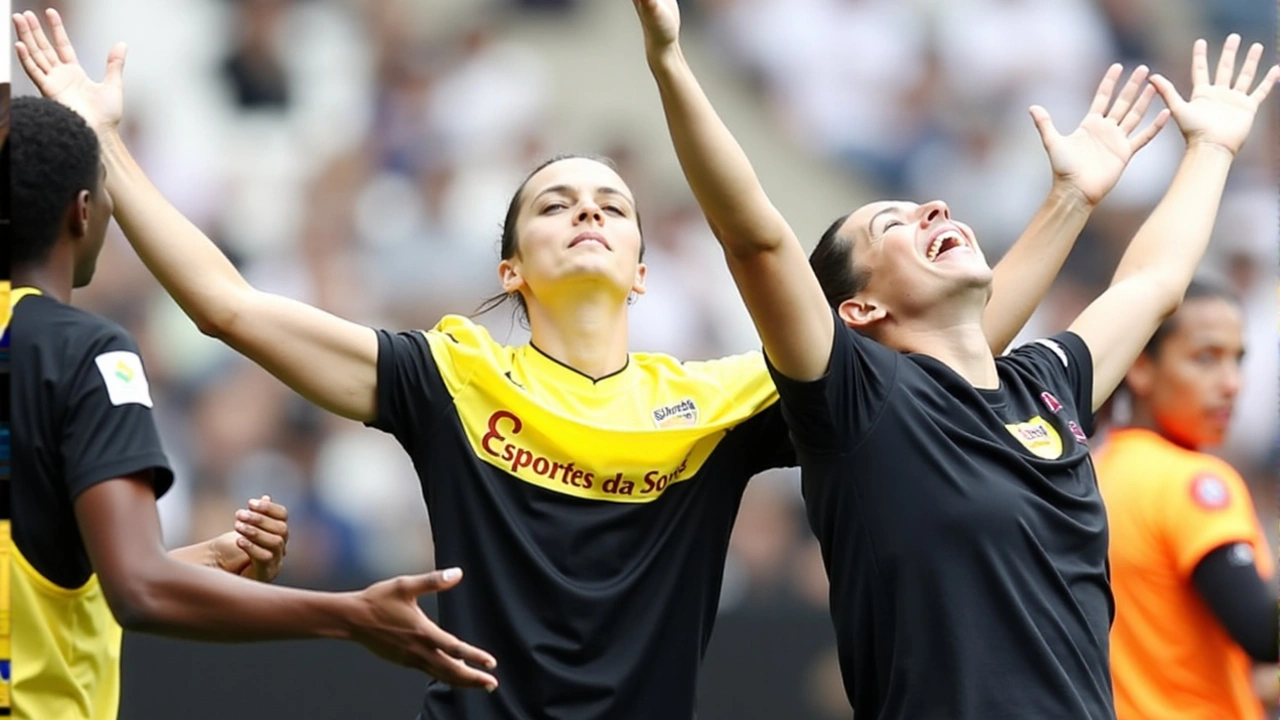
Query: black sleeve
[
  {"x": 108, "y": 429},
  {"x": 1229, "y": 583},
  {"x": 410, "y": 389},
  {"x": 1064, "y": 366},
  {"x": 830, "y": 415},
  {"x": 767, "y": 443}
]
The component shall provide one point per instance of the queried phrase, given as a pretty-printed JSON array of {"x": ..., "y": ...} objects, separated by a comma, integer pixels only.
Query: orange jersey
[{"x": 1168, "y": 508}]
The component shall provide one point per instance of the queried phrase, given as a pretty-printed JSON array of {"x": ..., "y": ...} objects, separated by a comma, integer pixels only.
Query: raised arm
[
  {"x": 328, "y": 360},
  {"x": 1162, "y": 258},
  {"x": 766, "y": 260},
  {"x": 1086, "y": 165}
]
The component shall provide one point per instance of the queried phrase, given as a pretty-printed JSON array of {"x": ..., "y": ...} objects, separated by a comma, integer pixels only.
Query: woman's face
[
  {"x": 577, "y": 227},
  {"x": 1190, "y": 382}
]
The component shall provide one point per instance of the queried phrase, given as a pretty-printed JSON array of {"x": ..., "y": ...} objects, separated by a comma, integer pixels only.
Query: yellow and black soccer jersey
[
  {"x": 591, "y": 517},
  {"x": 81, "y": 416}
]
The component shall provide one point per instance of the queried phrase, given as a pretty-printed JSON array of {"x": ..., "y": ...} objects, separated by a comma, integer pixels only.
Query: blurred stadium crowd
[{"x": 359, "y": 154}]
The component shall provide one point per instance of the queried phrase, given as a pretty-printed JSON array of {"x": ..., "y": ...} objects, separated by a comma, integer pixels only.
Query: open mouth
[
  {"x": 590, "y": 237},
  {"x": 944, "y": 243}
]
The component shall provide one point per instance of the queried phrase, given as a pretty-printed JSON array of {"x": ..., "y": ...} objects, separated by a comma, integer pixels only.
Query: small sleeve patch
[
  {"x": 1210, "y": 492},
  {"x": 126, "y": 382}
]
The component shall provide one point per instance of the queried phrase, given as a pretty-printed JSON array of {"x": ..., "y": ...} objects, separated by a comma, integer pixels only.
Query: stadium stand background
[{"x": 359, "y": 154}]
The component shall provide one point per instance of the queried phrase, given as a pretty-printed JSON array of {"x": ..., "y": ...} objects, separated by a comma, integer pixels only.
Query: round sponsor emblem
[{"x": 1210, "y": 492}]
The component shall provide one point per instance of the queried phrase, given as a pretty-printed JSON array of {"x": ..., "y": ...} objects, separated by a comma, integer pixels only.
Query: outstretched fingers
[
  {"x": 39, "y": 38},
  {"x": 1139, "y": 110},
  {"x": 1128, "y": 94},
  {"x": 61, "y": 41},
  {"x": 1199, "y": 63},
  {"x": 1139, "y": 141},
  {"x": 1227, "y": 61},
  {"x": 1102, "y": 98},
  {"x": 29, "y": 54},
  {"x": 1264, "y": 87},
  {"x": 1250, "y": 69}
]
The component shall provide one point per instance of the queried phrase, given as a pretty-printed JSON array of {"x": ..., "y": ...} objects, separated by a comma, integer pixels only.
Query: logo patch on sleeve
[
  {"x": 122, "y": 373},
  {"x": 1057, "y": 350},
  {"x": 1210, "y": 492}
]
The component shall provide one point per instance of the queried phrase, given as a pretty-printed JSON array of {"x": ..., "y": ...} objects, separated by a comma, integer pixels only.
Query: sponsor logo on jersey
[
  {"x": 508, "y": 452},
  {"x": 681, "y": 414},
  {"x": 1051, "y": 402},
  {"x": 1210, "y": 492},
  {"x": 1077, "y": 431},
  {"x": 122, "y": 373},
  {"x": 1038, "y": 436}
]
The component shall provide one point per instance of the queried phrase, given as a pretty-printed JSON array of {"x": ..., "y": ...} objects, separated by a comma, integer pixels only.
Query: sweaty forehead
[{"x": 578, "y": 174}]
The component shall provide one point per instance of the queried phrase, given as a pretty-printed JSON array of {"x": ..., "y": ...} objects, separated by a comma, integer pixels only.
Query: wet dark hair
[
  {"x": 833, "y": 263},
  {"x": 510, "y": 243},
  {"x": 53, "y": 155},
  {"x": 1199, "y": 289}
]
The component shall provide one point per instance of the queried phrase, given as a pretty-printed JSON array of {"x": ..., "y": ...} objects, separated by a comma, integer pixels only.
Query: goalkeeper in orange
[{"x": 1189, "y": 559}]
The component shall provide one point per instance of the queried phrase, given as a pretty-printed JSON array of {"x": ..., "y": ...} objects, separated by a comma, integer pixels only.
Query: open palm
[
  {"x": 1092, "y": 158},
  {"x": 58, "y": 75},
  {"x": 1219, "y": 112}
]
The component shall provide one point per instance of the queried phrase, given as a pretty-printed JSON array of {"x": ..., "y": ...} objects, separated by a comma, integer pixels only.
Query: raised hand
[
  {"x": 396, "y": 629},
  {"x": 257, "y": 546},
  {"x": 661, "y": 22},
  {"x": 1092, "y": 158},
  {"x": 1219, "y": 112},
  {"x": 57, "y": 73}
]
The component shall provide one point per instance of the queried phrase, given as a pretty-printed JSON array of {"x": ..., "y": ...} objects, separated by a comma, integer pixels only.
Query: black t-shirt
[
  {"x": 962, "y": 529},
  {"x": 591, "y": 518},
  {"x": 81, "y": 415}
]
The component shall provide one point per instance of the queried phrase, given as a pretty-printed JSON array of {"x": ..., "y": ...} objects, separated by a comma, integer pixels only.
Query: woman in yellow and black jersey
[
  {"x": 589, "y": 492},
  {"x": 87, "y": 557}
]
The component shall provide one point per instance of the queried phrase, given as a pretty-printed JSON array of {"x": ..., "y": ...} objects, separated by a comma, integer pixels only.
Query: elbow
[
  {"x": 218, "y": 318},
  {"x": 134, "y": 611},
  {"x": 137, "y": 604}
]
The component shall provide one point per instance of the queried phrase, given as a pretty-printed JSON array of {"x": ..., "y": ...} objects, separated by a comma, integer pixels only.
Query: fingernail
[
  {"x": 452, "y": 574},
  {"x": 254, "y": 502},
  {"x": 242, "y": 542},
  {"x": 491, "y": 688},
  {"x": 242, "y": 514}
]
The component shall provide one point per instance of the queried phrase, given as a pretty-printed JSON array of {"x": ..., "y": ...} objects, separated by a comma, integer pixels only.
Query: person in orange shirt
[{"x": 1188, "y": 555}]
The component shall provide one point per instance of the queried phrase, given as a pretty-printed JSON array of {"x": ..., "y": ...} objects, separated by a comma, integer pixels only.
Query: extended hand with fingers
[
  {"x": 1092, "y": 158},
  {"x": 57, "y": 74},
  {"x": 1219, "y": 112},
  {"x": 257, "y": 546},
  {"x": 661, "y": 22},
  {"x": 395, "y": 629}
]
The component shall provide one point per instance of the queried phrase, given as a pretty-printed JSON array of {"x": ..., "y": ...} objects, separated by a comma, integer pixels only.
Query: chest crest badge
[
  {"x": 1038, "y": 436},
  {"x": 681, "y": 414}
]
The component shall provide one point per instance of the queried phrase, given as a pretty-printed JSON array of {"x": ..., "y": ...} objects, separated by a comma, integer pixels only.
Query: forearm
[
  {"x": 198, "y": 554},
  {"x": 1025, "y": 273},
  {"x": 1241, "y": 601},
  {"x": 186, "y": 262},
  {"x": 1173, "y": 240},
  {"x": 178, "y": 599},
  {"x": 718, "y": 171}
]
